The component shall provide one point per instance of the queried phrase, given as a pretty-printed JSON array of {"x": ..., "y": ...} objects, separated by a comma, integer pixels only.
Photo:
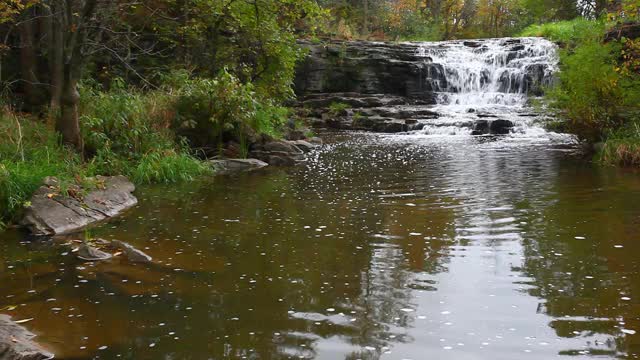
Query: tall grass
[{"x": 129, "y": 133}]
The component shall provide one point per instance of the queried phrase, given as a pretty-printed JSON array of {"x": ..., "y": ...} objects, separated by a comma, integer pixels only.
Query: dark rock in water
[
  {"x": 16, "y": 342},
  {"x": 225, "y": 166},
  {"x": 89, "y": 253},
  {"x": 394, "y": 127},
  {"x": 471, "y": 110},
  {"x": 133, "y": 255},
  {"x": 54, "y": 214},
  {"x": 472, "y": 44},
  {"x": 485, "y": 116},
  {"x": 277, "y": 153},
  {"x": 481, "y": 127},
  {"x": 501, "y": 127}
]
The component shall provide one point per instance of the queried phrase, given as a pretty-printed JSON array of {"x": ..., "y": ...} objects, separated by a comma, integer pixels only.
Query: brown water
[{"x": 394, "y": 247}]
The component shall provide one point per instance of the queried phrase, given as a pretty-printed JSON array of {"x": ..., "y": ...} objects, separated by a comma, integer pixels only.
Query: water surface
[{"x": 379, "y": 247}]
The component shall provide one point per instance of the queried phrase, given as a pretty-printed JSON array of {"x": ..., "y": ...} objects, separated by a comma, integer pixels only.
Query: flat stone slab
[
  {"x": 225, "y": 166},
  {"x": 54, "y": 214},
  {"x": 16, "y": 342}
]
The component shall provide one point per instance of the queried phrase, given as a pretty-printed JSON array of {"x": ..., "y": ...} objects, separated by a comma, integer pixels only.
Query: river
[{"x": 390, "y": 247}]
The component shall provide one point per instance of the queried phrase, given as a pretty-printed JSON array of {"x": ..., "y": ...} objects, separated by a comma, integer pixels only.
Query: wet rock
[
  {"x": 89, "y": 253},
  {"x": 51, "y": 213},
  {"x": 501, "y": 127},
  {"x": 315, "y": 141},
  {"x": 294, "y": 135},
  {"x": 132, "y": 254},
  {"x": 16, "y": 342},
  {"x": 303, "y": 145},
  {"x": 225, "y": 166},
  {"x": 277, "y": 153}
]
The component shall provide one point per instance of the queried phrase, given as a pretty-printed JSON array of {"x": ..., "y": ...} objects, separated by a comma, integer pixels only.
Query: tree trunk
[
  {"x": 28, "y": 63},
  {"x": 68, "y": 122},
  {"x": 365, "y": 26},
  {"x": 56, "y": 57}
]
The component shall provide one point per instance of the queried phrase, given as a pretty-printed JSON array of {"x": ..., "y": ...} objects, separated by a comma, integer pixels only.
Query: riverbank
[{"x": 598, "y": 90}]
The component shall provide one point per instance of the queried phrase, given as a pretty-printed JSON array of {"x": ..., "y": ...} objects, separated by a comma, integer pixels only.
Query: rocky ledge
[
  {"x": 388, "y": 114},
  {"x": 53, "y": 213},
  {"x": 16, "y": 342}
]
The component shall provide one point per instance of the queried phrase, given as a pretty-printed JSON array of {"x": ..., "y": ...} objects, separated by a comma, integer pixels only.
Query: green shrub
[
  {"x": 210, "y": 112},
  {"x": 589, "y": 93},
  {"x": 593, "y": 92},
  {"x": 336, "y": 108}
]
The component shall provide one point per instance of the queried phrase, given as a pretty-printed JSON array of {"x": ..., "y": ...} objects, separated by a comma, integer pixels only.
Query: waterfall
[
  {"x": 493, "y": 71},
  {"x": 486, "y": 79}
]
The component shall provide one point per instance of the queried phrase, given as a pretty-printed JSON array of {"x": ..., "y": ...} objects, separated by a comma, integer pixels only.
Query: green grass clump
[
  {"x": 29, "y": 152},
  {"x": 568, "y": 33},
  {"x": 622, "y": 147}
]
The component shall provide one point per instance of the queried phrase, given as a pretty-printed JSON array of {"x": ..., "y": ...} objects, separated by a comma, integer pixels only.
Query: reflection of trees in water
[{"x": 583, "y": 281}]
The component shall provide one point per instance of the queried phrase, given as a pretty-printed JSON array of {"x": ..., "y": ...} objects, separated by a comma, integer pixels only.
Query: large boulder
[
  {"x": 226, "y": 166},
  {"x": 52, "y": 213},
  {"x": 16, "y": 342},
  {"x": 501, "y": 127}
]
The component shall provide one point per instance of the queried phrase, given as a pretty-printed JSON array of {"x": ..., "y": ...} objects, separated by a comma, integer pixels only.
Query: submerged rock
[
  {"x": 225, "y": 166},
  {"x": 16, "y": 342},
  {"x": 133, "y": 255},
  {"x": 89, "y": 253},
  {"x": 51, "y": 213}
]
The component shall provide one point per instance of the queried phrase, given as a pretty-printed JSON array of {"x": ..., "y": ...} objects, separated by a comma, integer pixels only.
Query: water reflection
[{"x": 379, "y": 248}]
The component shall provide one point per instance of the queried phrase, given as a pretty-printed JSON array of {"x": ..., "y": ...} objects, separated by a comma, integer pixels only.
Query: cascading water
[{"x": 482, "y": 81}]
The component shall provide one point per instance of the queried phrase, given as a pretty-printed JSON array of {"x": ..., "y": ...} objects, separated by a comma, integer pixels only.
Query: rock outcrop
[
  {"x": 53, "y": 213},
  {"x": 364, "y": 67},
  {"x": 16, "y": 342},
  {"x": 227, "y": 166},
  {"x": 281, "y": 153}
]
